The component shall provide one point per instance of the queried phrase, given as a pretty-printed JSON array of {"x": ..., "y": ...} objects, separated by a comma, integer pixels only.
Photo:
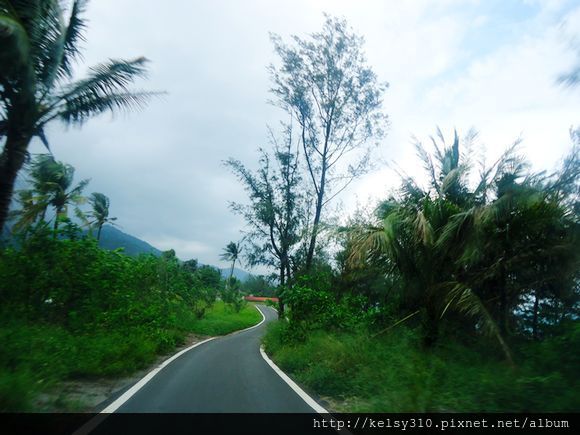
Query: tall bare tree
[{"x": 325, "y": 84}]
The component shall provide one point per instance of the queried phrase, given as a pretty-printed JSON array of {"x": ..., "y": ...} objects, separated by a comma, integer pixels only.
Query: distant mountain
[
  {"x": 240, "y": 274},
  {"x": 112, "y": 238}
]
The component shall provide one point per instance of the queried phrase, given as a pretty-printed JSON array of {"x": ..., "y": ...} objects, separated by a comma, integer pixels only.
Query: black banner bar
[{"x": 282, "y": 424}]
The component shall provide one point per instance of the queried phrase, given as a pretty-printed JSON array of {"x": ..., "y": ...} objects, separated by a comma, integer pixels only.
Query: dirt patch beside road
[{"x": 91, "y": 395}]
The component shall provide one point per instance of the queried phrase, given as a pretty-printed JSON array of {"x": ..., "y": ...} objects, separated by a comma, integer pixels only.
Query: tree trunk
[
  {"x": 503, "y": 300},
  {"x": 11, "y": 161},
  {"x": 535, "y": 317},
  {"x": 318, "y": 212},
  {"x": 231, "y": 274},
  {"x": 99, "y": 233},
  {"x": 55, "y": 228},
  {"x": 280, "y": 298}
]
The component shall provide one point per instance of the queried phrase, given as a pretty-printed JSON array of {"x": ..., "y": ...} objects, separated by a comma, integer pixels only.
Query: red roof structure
[{"x": 259, "y": 299}]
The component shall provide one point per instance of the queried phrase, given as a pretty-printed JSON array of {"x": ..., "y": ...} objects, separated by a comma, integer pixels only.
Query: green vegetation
[
  {"x": 395, "y": 373},
  {"x": 460, "y": 293},
  {"x": 41, "y": 42},
  {"x": 223, "y": 319},
  {"x": 231, "y": 293},
  {"x": 71, "y": 310},
  {"x": 449, "y": 299},
  {"x": 258, "y": 286}
]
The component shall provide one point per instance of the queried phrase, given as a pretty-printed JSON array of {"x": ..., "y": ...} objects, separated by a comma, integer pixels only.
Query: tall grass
[
  {"x": 395, "y": 373},
  {"x": 222, "y": 319},
  {"x": 34, "y": 357}
]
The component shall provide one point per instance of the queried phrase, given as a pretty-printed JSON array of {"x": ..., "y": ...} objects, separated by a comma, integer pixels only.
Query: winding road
[
  {"x": 222, "y": 385},
  {"x": 227, "y": 374}
]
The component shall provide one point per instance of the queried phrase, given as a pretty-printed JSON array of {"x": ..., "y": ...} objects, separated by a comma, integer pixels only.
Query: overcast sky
[{"x": 491, "y": 65}]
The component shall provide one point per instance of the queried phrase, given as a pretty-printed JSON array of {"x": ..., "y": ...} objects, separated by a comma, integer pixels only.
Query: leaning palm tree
[
  {"x": 39, "y": 46},
  {"x": 231, "y": 253},
  {"x": 34, "y": 202},
  {"x": 52, "y": 186},
  {"x": 417, "y": 236},
  {"x": 65, "y": 195},
  {"x": 32, "y": 210},
  {"x": 100, "y": 212}
]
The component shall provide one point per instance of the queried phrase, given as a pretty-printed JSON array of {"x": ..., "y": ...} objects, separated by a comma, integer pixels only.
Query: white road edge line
[
  {"x": 131, "y": 391},
  {"x": 251, "y": 327},
  {"x": 93, "y": 423},
  {"x": 303, "y": 395}
]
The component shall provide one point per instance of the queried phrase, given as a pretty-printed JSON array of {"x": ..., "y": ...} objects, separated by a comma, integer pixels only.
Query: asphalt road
[{"x": 227, "y": 374}]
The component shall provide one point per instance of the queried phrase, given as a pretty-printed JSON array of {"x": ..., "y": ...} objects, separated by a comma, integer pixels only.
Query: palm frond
[
  {"x": 33, "y": 206},
  {"x": 466, "y": 301},
  {"x": 79, "y": 189},
  {"x": 106, "y": 89},
  {"x": 82, "y": 217},
  {"x": 15, "y": 54},
  {"x": 427, "y": 164},
  {"x": 459, "y": 223},
  {"x": 367, "y": 241},
  {"x": 451, "y": 180},
  {"x": 80, "y": 109},
  {"x": 48, "y": 42},
  {"x": 423, "y": 229},
  {"x": 73, "y": 36},
  {"x": 108, "y": 78},
  {"x": 572, "y": 78}
]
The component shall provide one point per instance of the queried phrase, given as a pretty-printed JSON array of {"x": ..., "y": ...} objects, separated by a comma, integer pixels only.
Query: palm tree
[
  {"x": 413, "y": 237},
  {"x": 100, "y": 213},
  {"x": 52, "y": 186},
  {"x": 39, "y": 47},
  {"x": 405, "y": 242},
  {"x": 522, "y": 245},
  {"x": 231, "y": 253}
]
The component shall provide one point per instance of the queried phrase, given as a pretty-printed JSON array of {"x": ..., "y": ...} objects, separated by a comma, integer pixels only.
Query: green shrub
[
  {"x": 72, "y": 310},
  {"x": 395, "y": 373}
]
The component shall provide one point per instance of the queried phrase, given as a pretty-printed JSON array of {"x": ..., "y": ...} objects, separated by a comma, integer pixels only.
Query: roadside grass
[
  {"x": 394, "y": 373},
  {"x": 222, "y": 319},
  {"x": 35, "y": 357}
]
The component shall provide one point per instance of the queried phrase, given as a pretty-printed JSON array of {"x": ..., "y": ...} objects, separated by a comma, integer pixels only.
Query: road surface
[{"x": 227, "y": 374}]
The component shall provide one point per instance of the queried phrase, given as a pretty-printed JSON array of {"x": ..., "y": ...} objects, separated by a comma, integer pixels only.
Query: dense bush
[
  {"x": 313, "y": 308},
  {"x": 395, "y": 373},
  {"x": 75, "y": 284},
  {"x": 71, "y": 309}
]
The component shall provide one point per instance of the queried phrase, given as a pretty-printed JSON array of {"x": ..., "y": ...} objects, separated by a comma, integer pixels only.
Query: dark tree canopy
[{"x": 276, "y": 216}]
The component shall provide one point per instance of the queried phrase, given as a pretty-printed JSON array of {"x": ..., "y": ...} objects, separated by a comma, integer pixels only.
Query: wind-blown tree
[
  {"x": 231, "y": 253},
  {"x": 323, "y": 82},
  {"x": 406, "y": 239},
  {"x": 40, "y": 43},
  {"x": 489, "y": 252},
  {"x": 32, "y": 210},
  {"x": 52, "y": 187},
  {"x": 100, "y": 212},
  {"x": 522, "y": 245},
  {"x": 276, "y": 215}
]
